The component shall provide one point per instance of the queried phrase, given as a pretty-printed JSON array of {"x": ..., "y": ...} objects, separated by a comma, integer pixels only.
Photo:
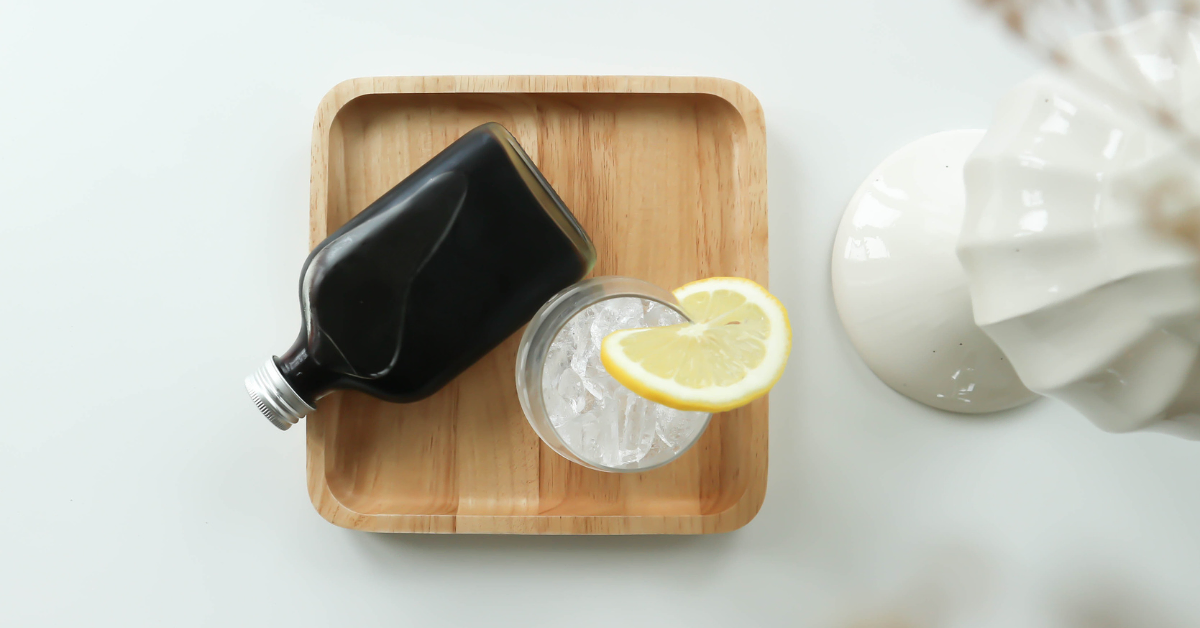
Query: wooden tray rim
[{"x": 750, "y": 110}]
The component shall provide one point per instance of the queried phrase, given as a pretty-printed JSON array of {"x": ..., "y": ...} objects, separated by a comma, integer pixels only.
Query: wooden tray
[{"x": 668, "y": 176}]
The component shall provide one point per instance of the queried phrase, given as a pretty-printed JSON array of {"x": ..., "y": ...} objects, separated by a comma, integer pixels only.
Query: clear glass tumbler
[{"x": 535, "y": 347}]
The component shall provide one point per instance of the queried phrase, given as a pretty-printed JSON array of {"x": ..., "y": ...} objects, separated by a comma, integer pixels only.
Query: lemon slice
[{"x": 732, "y": 352}]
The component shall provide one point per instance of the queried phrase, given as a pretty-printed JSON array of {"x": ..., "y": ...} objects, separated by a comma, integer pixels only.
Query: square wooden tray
[{"x": 668, "y": 176}]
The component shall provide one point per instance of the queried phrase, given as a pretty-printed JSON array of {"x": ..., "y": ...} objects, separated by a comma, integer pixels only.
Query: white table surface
[{"x": 154, "y": 165}]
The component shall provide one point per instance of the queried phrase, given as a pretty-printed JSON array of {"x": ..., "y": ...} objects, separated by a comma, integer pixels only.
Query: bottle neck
[{"x": 300, "y": 369}]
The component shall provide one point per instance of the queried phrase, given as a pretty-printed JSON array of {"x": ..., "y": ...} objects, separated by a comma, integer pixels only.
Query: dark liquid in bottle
[{"x": 434, "y": 274}]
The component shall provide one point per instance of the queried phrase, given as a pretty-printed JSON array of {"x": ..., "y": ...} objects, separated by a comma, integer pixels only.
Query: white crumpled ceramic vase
[{"x": 1088, "y": 301}]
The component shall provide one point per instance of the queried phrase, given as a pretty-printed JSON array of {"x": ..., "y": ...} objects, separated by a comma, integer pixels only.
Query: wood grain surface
[{"x": 668, "y": 177}]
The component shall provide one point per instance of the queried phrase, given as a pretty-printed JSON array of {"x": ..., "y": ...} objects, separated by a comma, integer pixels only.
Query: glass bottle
[{"x": 427, "y": 279}]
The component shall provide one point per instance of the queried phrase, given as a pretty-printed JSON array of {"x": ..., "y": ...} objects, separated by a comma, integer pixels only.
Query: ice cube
[
  {"x": 636, "y": 427},
  {"x": 659, "y": 315},
  {"x": 599, "y": 432},
  {"x": 678, "y": 428},
  {"x": 571, "y": 431}
]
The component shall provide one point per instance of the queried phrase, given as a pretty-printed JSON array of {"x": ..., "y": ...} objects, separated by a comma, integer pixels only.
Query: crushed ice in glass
[{"x": 602, "y": 421}]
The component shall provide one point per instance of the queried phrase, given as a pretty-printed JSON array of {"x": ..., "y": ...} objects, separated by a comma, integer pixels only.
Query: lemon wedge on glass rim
[{"x": 731, "y": 353}]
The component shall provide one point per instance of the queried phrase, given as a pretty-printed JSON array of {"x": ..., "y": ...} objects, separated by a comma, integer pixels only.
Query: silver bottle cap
[{"x": 275, "y": 397}]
